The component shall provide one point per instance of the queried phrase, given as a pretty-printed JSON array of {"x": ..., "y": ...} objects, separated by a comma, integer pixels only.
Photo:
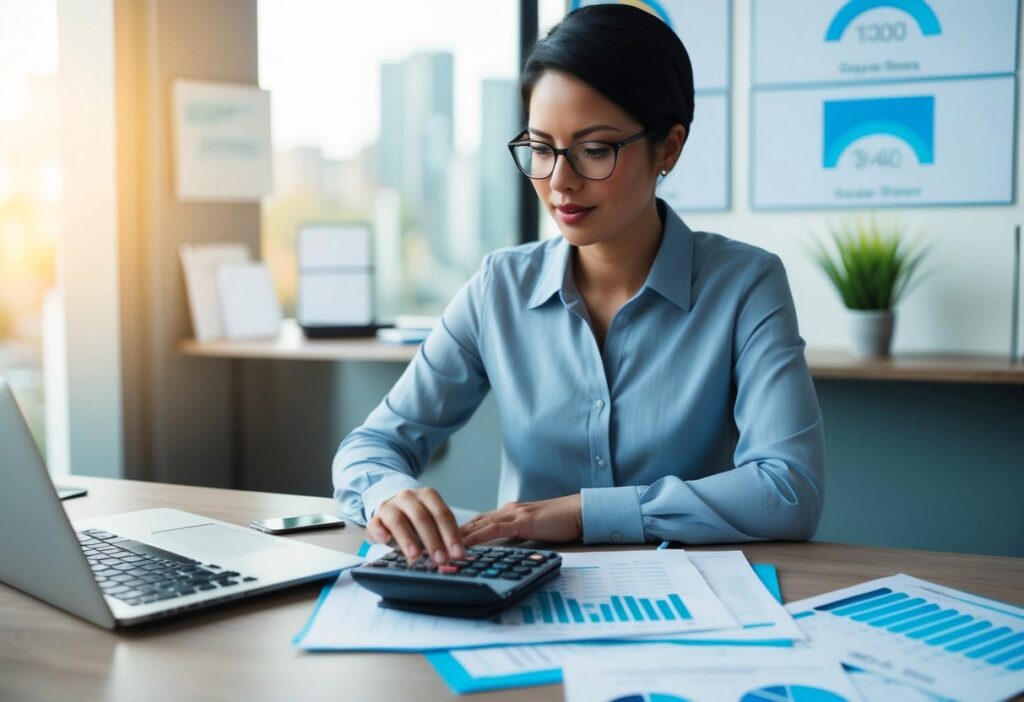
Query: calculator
[{"x": 477, "y": 586}]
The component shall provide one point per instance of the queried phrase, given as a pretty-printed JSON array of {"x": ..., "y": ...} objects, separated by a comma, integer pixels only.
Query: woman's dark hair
[{"x": 626, "y": 54}]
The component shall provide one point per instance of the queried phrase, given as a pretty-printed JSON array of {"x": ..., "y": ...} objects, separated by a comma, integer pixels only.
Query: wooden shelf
[
  {"x": 292, "y": 345},
  {"x": 825, "y": 364},
  {"x": 926, "y": 368}
]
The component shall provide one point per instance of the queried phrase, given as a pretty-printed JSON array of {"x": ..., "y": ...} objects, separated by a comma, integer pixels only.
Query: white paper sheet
[
  {"x": 348, "y": 618},
  {"x": 666, "y": 673},
  {"x": 730, "y": 577},
  {"x": 947, "y": 642}
]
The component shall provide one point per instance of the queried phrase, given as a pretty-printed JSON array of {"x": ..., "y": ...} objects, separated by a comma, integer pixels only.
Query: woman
[{"x": 651, "y": 380}]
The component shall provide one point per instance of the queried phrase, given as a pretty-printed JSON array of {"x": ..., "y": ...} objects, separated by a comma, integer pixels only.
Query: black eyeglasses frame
[{"x": 616, "y": 146}]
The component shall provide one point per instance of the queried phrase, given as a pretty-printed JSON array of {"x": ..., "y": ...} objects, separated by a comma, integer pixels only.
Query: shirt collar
[
  {"x": 669, "y": 276},
  {"x": 672, "y": 269}
]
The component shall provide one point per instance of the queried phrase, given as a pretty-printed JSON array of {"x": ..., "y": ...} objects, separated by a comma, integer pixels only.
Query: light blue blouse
[{"x": 697, "y": 421}]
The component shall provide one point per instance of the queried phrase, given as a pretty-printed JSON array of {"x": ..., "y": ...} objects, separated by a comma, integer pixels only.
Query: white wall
[{"x": 963, "y": 306}]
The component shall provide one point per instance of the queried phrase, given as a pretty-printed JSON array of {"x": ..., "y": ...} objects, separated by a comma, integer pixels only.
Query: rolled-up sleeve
[
  {"x": 438, "y": 392},
  {"x": 776, "y": 489}
]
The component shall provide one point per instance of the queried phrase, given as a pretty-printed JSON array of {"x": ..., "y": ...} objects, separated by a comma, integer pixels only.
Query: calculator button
[
  {"x": 537, "y": 557},
  {"x": 460, "y": 563},
  {"x": 448, "y": 569},
  {"x": 523, "y": 570},
  {"x": 529, "y": 563},
  {"x": 380, "y": 563},
  {"x": 491, "y": 573}
]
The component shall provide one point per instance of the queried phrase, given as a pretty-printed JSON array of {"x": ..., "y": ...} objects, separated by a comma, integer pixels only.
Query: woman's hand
[
  {"x": 418, "y": 519},
  {"x": 558, "y": 519}
]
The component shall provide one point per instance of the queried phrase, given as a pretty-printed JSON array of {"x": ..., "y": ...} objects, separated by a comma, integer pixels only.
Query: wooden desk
[
  {"x": 291, "y": 345},
  {"x": 243, "y": 651}
]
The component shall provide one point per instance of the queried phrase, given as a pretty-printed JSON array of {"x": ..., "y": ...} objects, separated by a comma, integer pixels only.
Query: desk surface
[
  {"x": 291, "y": 345},
  {"x": 243, "y": 651}
]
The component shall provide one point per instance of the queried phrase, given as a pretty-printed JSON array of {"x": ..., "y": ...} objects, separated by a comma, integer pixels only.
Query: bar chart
[
  {"x": 934, "y": 625},
  {"x": 945, "y": 641},
  {"x": 551, "y": 607}
]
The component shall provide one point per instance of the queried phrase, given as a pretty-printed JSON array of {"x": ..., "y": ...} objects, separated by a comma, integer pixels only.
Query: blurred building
[
  {"x": 416, "y": 141},
  {"x": 500, "y": 121}
]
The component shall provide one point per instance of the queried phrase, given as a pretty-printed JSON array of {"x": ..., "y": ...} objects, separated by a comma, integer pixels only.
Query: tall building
[
  {"x": 498, "y": 219},
  {"x": 417, "y": 142}
]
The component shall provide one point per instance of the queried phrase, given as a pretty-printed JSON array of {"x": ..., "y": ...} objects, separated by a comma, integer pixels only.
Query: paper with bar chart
[
  {"x": 614, "y": 595},
  {"x": 942, "y": 640},
  {"x": 763, "y": 621},
  {"x": 663, "y": 673}
]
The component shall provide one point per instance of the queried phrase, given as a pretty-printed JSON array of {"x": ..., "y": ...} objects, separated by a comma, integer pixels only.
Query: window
[
  {"x": 30, "y": 194},
  {"x": 395, "y": 114}
]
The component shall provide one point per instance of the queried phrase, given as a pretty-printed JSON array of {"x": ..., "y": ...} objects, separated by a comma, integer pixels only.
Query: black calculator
[{"x": 482, "y": 583}]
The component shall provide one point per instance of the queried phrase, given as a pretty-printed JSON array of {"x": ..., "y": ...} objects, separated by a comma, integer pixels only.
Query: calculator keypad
[{"x": 488, "y": 562}]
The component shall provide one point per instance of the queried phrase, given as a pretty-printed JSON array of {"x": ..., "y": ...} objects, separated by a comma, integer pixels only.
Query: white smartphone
[{"x": 284, "y": 525}]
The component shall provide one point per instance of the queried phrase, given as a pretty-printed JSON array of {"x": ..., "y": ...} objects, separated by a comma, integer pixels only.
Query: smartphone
[{"x": 285, "y": 525}]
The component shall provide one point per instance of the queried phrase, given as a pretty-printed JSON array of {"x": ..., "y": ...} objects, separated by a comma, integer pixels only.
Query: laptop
[{"x": 134, "y": 567}]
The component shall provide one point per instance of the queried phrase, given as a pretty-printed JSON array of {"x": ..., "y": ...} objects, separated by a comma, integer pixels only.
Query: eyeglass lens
[{"x": 590, "y": 159}]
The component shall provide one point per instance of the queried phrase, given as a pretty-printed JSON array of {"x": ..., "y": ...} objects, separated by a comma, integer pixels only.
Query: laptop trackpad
[{"x": 214, "y": 541}]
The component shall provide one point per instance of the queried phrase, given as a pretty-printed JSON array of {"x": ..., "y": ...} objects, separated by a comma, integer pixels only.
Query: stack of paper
[
  {"x": 620, "y": 595},
  {"x": 600, "y": 602},
  {"x": 672, "y": 626}
]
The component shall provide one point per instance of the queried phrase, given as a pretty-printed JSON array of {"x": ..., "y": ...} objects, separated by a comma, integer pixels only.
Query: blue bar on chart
[
  {"x": 634, "y": 608},
  {"x": 958, "y": 633},
  {"x": 545, "y": 608},
  {"x": 649, "y": 609},
  {"x": 677, "y": 602},
  {"x": 666, "y": 611},
  {"x": 851, "y": 600},
  {"x": 885, "y": 611},
  {"x": 527, "y": 615},
  {"x": 556, "y": 599},
  {"x": 577, "y": 614},
  {"x": 606, "y": 612},
  {"x": 620, "y": 611},
  {"x": 942, "y": 626},
  {"x": 850, "y": 610}
]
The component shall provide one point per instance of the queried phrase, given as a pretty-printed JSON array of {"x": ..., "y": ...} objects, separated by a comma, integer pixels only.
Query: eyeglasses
[{"x": 593, "y": 160}]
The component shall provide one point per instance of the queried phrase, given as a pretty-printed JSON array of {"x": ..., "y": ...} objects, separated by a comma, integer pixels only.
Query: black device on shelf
[{"x": 484, "y": 582}]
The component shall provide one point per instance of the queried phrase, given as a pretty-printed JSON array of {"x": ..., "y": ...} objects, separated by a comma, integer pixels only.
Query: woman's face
[{"x": 564, "y": 110}]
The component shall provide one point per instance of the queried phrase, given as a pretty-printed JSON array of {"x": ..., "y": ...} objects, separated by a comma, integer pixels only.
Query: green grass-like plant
[{"x": 874, "y": 263}]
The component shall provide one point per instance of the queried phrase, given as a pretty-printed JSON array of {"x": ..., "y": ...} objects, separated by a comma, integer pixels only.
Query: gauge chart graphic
[
  {"x": 649, "y": 697},
  {"x": 910, "y": 119},
  {"x": 921, "y": 12}
]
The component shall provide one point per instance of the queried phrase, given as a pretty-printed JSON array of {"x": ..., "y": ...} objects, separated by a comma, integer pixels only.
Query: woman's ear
[{"x": 671, "y": 148}]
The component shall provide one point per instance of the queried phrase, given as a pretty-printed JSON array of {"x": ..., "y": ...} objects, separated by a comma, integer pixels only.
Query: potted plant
[{"x": 872, "y": 269}]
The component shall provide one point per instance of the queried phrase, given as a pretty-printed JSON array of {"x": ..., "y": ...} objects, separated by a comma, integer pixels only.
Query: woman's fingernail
[
  {"x": 440, "y": 557},
  {"x": 457, "y": 551},
  {"x": 412, "y": 550}
]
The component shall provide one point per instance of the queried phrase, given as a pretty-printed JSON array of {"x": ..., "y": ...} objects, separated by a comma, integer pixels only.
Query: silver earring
[{"x": 664, "y": 171}]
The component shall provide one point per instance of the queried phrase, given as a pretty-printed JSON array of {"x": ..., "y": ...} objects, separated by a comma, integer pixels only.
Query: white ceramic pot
[{"x": 871, "y": 332}]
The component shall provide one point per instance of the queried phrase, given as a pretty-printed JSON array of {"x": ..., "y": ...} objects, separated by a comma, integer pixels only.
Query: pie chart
[
  {"x": 791, "y": 693},
  {"x": 649, "y": 697}
]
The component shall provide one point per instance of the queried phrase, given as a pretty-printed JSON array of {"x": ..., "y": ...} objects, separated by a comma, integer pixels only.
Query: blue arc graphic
[
  {"x": 921, "y": 11},
  {"x": 910, "y": 119},
  {"x": 652, "y": 6}
]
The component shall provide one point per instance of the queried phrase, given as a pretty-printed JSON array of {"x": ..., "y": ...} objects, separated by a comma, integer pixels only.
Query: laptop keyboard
[{"x": 137, "y": 573}]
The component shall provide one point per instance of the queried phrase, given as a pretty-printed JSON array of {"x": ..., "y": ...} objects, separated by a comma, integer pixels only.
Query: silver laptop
[{"x": 134, "y": 567}]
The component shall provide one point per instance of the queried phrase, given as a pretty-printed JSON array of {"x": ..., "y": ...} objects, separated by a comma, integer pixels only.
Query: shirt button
[
  {"x": 600, "y": 462},
  {"x": 616, "y": 537},
  {"x": 599, "y": 404}
]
